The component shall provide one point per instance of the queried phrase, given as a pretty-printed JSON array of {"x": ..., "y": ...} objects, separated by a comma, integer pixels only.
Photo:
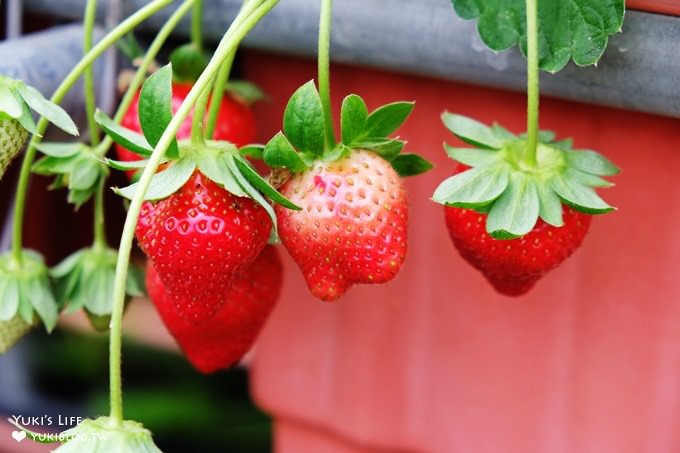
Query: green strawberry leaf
[
  {"x": 26, "y": 120},
  {"x": 473, "y": 157},
  {"x": 410, "y": 164},
  {"x": 155, "y": 108},
  {"x": 54, "y": 165},
  {"x": 254, "y": 151},
  {"x": 579, "y": 197},
  {"x": 126, "y": 165},
  {"x": 164, "y": 183},
  {"x": 250, "y": 190},
  {"x": 591, "y": 162},
  {"x": 473, "y": 188},
  {"x": 550, "y": 206},
  {"x": 353, "y": 116},
  {"x": 85, "y": 173},
  {"x": 11, "y": 104},
  {"x": 60, "y": 149},
  {"x": 515, "y": 212},
  {"x": 386, "y": 119},
  {"x": 280, "y": 153},
  {"x": 303, "y": 120},
  {"x": 472, "y": 132},
  {"x": 246, "y": 91},
  {"x": 133, "y": 141},
  {"x": 263, "y": 186},
  {"x": 213, "y": 164},
  {"x": 577, "y": 29},
  {"x": 188, "y": 62},
  {"x": 386, "y": 148},
  {"x": 55, "y": 114}
]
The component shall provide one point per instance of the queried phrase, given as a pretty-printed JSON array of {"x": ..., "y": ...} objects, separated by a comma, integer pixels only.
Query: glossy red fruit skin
[
  {"x": 352, "y": 227},
  {"x": 514, "y": 266},
  {"x": 235, "y": 122},
  {"x": 198, "y": 238},
  {"x": 229, "y": 335}
]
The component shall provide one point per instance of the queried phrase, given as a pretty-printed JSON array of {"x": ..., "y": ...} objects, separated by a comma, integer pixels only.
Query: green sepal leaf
[
  {"x": 55, "y": 114},
  {"x": 27, "y": 122},
  {"x": 26, "y": 289},
  {"x": 472, "y": 131},
  {"x": 155, "y": 108},
  {"x": 386, "y": 148},
  {"x": 280, "y": 153},
  {"x": 591, "y": 162},
  {"x": 410, "y": 164},
  {"x": 127, "y": 164},
  {"x": 353, "y": 116},
  {"x": 473, "y": 188},
  {"x": 164, "y": 183},
  {"x": 213, "y": 164},
  {"x": 473, "y": 157},
  {"x": 249, "y": 189},
  {"x": 386, "y": 119},
  {"x": 131, "y": 140},
  {"x": 110, "y": 436},
  {"x": 254, "y": 151},
  {"x": 60, "y": 149},
  {"x": 550, "y": 205},
  {"x": 579, "y": 197},
  {"x": 188, "y": 62},
  {"x": 339, "y": 151},
  {"x": 263, "y": 186},
  {"x": 515, "y": 212},
  {"x": 85, "y": 174},
  {"x": 245, "y": 91},
  {"x": 303, "y": 120},
  {"x": 586, "y": 179},
  {"x": 11, "y": 104},
  {"x": 577, "y": 29}
]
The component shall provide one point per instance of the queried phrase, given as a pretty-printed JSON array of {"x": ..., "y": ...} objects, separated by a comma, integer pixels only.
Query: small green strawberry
[
  {"x": 12, "y": 331},
  {"x": 12, "y": 138}
]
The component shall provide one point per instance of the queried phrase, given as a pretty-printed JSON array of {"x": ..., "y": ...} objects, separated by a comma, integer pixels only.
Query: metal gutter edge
[{"x": 639, "y": 71}]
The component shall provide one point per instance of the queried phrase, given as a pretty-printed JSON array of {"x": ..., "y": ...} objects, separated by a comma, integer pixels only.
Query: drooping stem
[
  {"x": 199, "y": 116},
  {"x": 148, "y": 60},
  {"x": 227, "y": 45},
  {"x": 197, "y": 25},
  {"x": 324, "y": 69},
  {"x": 532, "y": 82},
  {"x": 218, "y": 95},
  {"x": 99, "y": 230},
  {"x": 88, "y": 76},
  {"x": 25, "y": 172},
  {"x": 247, "y": 8}
]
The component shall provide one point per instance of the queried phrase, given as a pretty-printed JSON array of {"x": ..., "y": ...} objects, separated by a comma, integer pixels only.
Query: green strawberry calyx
[
  {"x": 513, "y": 193},
  {"x": 84, "y": 280},
  {"x": 220, "y": 161},
  {"x": 25, "y": 290},
  {"x": 304, "y": 137},
  {"x": 17, "y": 99}
]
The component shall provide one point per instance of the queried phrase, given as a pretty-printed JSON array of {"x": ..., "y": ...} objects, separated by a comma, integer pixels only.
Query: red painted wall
[{"x": 436, "y": 361}]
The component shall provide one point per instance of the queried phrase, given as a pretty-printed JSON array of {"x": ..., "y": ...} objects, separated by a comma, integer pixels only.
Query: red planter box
[{"x": 436, "y": 361}]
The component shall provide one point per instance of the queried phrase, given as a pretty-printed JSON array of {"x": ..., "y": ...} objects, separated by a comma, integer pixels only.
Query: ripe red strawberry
[
  {"x": 227, "y": 336},
  {"x": 353, "y": 224},
  {"x": 235, "y": 122},
  {"x": 514, "y": 266},
  {"x": 198, "y": 238},
  {"x": 12, "y": 138}
]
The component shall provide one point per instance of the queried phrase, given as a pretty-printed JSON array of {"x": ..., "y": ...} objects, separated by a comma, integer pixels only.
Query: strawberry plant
[
  {"x": 522, "y": 204},
  {"x": 352, "y": 227}
]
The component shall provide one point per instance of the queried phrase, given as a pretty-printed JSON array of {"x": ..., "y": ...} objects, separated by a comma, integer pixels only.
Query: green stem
[
  {"x": 199, "y": 116},
  {"x": 197, "y": 25},
  {"x": 532, "y": 83},
  {"x": 88, "y": 76},
  {"x": 228, "y": 44},
  {"x": 218, "y": 95},
  {"x": 99, "y": 230},
  {"x": 140, "y": 76},
  {"x": 25, "y": 172},
  {"x": 247, "y": 8},
  {"x": 324, "y": 69}
]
